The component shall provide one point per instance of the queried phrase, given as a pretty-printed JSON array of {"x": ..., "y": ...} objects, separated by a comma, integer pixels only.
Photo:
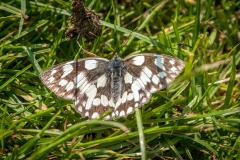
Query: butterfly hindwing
[
  {"x": 59, "y": 79},
  {"x": 132, "y": 97},
  {"x": 96, "y": 98}
]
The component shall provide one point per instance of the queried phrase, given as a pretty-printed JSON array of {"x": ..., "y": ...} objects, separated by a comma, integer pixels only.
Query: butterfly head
[
  {"x": 116, "y": 62},
  {"x": 116, "y": 56}
]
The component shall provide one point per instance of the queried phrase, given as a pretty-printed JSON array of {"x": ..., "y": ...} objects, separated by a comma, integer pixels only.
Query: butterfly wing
[
  {"x": 84, "y": 81},
  {"x": 146, "y": 74},
  {"x": 94, "y": 99},
  {"x": 132, "y": 96},
  {"x": 59, "y": 79},
  {"x": 154, "y": 71},
  {"x": 88, "y": 82}
]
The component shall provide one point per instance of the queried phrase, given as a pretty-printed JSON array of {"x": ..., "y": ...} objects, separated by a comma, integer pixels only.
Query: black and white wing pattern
[
  {"x": 147, "y": 74},
  {"x": 97, "y": 84},
  {"x": 82, "y": 81}
]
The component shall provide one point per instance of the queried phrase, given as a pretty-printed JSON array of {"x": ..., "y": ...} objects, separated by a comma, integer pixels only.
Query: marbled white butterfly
[{"x": 97, "y": 84}]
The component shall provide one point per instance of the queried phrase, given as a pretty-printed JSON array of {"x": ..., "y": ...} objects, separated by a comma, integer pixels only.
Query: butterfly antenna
[
  {"x": 125, "y": 41},
  {"x": 89, "y": 54}
]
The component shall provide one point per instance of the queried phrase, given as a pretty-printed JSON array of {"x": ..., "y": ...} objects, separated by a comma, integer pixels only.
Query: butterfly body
[
  {"x": 117, "y": 70},
  {"x": 97, "y": 84}
]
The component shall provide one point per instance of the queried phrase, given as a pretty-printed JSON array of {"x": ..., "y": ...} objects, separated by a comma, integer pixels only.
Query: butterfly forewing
[
  {"x": 66, "y": 79},
  {"x": 59, "y": 79},
  {"x": 154, "y": 71},
  {"x": 97, "y": 85}
]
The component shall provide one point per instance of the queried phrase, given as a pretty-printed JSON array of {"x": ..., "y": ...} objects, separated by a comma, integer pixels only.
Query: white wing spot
[
  {"x": 138, "y": 60},
  {"x": 67, "y": 69},
  {"x": 70, "y": 96},
  {"x": 91, "y": 91},
  {"x": 104, "y": 100},
  {"x": 129, "y": 110},
  {"x": 161, "y": 75},
  {"x": 51, "y": 79},
  {"x": 101, "y": 82},
  {"x": 148, "y": 94},
  {"x": 168, "y": 80},
  {"x": 118, "y": 103},
  {"x": 155, "y": 79},
  {"x": 80, "y": 79},
  {"x": 96, "y": 102},
  {"x": 84, "y": 85},
  {"x": 90, "y": 64},
  {"x": 135, "y": 88},
  {"x": 113, "y": 114},
  {"x": 86, "y": 114},
  {"x": 116, "y": 113},
  {"x": 56, "y": 90},
  {"x": 89, "y": 103},
  {"x": 69, "y": 86},
  {"x": 111, "y": 103},
  {"x": 147, "y": 71},
  {"x": 76, "y": 102},
  {"x": 122, "y": 113},
  {"x": 173, "y": 69},
  {"x": 172, "y": 62},
  {"x": 140, "y": 83},
  {"x": 53, "y": 72},
  {"x": 130, "y": 96},
  {"x": 159, "y": 61},
  {"x": 144, "y": 78},
  {"x": 124, "y": 97},
  {"x": 80, "y": 108},
  {"x": 153, "y": 89},
  {"x": 63, "y": 82},
  {"x": 141, "y": 95},
  {"x": 107, "y": 117},
  {"x": 136, "y": 105},
  {"x": 84, "y": 103},
  {"x": 144, "y": 100},
  {"x": 128, "y": 78},
  {"x": 95, "y": 115}
]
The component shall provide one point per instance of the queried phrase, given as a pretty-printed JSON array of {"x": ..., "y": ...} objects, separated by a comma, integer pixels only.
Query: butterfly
[{"x": 121, "y": 85}]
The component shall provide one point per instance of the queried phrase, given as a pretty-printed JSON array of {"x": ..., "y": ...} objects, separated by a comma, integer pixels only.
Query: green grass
[{"x": 196, "y": 117}]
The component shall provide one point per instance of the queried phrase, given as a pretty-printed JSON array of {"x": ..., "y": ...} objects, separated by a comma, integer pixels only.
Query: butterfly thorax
[{"x": 117, "y": 70}]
